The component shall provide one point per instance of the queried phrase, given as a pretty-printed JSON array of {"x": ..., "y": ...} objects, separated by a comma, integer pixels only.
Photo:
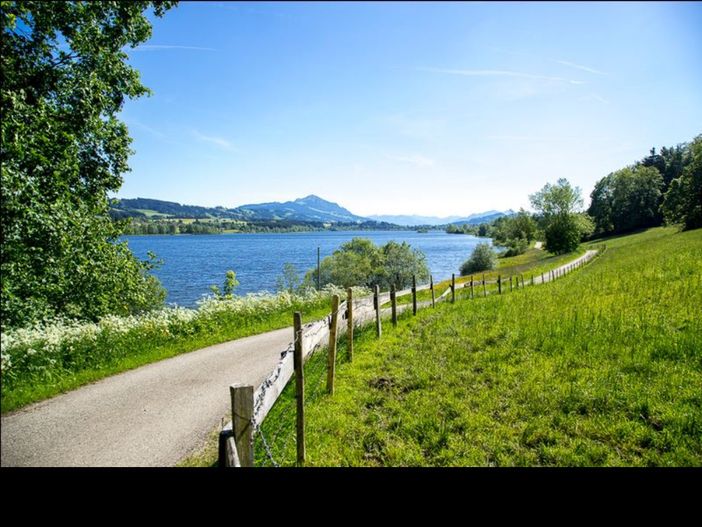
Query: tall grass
[{"x": 602, "y": 367}]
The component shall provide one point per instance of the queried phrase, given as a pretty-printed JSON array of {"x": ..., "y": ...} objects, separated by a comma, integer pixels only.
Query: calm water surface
[{"x": 194, "y": 262}]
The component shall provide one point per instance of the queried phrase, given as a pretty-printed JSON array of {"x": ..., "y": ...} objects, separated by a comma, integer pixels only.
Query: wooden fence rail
[{"x": 250, "y": 405}]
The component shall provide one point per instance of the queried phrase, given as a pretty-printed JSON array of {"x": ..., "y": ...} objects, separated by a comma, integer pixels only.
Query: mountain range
[
  {"x": 473, "y": 219},
  {"x": 308, "y": 209}
]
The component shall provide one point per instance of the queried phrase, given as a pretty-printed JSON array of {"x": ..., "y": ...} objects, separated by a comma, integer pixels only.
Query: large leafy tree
[
  {"x": 65, "y": 77},
  {"x": 683, "y": 201},
  {"x": 627, "y": 199},
  {"x": 360, "y": 262},
  {"x": 558, "y": 209}
]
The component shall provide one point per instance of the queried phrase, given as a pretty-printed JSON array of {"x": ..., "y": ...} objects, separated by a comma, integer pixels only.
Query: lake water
[{"x": 194, "y": 262}]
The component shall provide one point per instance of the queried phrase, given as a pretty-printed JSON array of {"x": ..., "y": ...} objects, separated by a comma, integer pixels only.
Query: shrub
[{"x": 483, "y": 258}]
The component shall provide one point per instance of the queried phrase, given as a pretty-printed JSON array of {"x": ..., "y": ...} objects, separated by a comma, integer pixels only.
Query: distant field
[{"x": 602, "y": 367}]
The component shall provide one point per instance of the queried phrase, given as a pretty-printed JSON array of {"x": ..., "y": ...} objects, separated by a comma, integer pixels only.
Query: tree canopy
[
  {"x": 627, "y": 199},
  {"x": 558, "y": 209},
  {"x": 683, "y": 201},
  {"x": 65, "y": 77},
  {"x": 360, "y": 262}
]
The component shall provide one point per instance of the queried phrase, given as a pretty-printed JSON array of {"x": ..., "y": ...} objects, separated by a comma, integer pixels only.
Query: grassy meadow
[{"x": 600, "y": 368}]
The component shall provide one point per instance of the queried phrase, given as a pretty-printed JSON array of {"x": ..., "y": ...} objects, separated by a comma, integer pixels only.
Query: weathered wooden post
[
  {"x": 349, "y": 322},
  {"x": 510, "y": 284},
  {"x": 542, "y": 279},
  {"x": 393, "y": 302},
  {"x": 453, "y": 288},
  {"x": 471, "y": 288},
  {"x": 414, "y": 295},
  {"x": 499, "y": 284},
  {"x": 242, "y": 422},
  {"x": 532, "y": 279},
  {"x": 431, "y": 286},
  {"x": 331, "y": 354},
  {"x": 299, "y": 389},
  {"x": 376, "y": 299},
  {"x": 484, "y": 289}
]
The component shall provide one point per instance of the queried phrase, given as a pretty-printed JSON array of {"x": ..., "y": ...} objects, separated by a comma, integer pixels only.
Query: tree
[
  {"x": 483, "y": 258},
  {"x": 361, "y": 263},
  {"x": 683, "y": 201},
  {"x": 515, "y": 232},
  {"x": 64, "y": 80},
  {"x": 627, "y": 199},
  {"x": 400, "y": 263},
  {"x": 558, "y": 206},
  {"x": 290, "y": 279}
]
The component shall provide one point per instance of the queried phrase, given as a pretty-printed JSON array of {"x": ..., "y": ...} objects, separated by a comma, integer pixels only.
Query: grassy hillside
[{"x": 602, "y": 367}]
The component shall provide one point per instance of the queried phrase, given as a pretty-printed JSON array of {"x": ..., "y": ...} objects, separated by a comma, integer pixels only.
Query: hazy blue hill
[{"x": 308, "y": 209}]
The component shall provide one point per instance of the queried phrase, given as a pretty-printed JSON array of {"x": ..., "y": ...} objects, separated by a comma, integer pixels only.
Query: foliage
[
  {"x": 64, "y": 81},
  {"x": 230, "y": 283},
  {"x": 290, "y": 279},
  {"x": 558, "y": 206},
  {"x": 483, "y": 258},
  {"x": 627, "y": 199},
  {"x": 360, "y": 262},
  {"x": 683, "y": 201},
  {"x": 556, "y": 200},
  {"x": 562, "y": 234},
  {"x": 515, "y": 227},
  {"x": 590, "y": 370},
  {"x": 515, "y": 247}
]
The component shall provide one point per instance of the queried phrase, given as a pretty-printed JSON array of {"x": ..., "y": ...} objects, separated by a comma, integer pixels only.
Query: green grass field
[
  {"x": 602, "y": 367},
  {"x": 532, "y": 262}
]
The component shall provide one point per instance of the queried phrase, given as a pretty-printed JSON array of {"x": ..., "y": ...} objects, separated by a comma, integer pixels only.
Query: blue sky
[{"x": 407, "y": 108}]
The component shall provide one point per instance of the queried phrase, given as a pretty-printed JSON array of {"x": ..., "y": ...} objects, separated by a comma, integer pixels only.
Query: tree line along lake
[{"x": 192, "y": 263}]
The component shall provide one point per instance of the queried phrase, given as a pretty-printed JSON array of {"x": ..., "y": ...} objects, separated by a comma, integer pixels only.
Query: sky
[{"x": 407, "y": 108}]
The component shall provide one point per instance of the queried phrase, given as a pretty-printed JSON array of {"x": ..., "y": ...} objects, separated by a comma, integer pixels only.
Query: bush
[
  {"x": 483, "y": 258},
  {"x": 515, "y": 247},
  {"x": 562, "y": 235}
]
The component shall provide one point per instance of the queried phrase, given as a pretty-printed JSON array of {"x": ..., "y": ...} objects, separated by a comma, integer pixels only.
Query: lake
[{"x": 194, "y": 262}]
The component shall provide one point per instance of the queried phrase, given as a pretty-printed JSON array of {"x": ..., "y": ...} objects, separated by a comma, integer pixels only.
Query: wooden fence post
[
  {"x": 299, "y": 389},
  {"x": 431, "y": 286},
  {"x": 510, "y": 284},
  {"x": 378, "y": 327},
  {"x": 532, "y": 279},
  {"x": 499, "y": 284},
  {"x": 414, "y": 295},
  {"x": 471, "y": 287},
  {"x": 453, "y": 288},
  {"x": 331, "y": 354},
  {"x": 542, "y": 279},
  {"x": 484, "y": 289},
  {"x": 242, "y": 422},
  {"x": 393, "y": 301},
  {"x": 349, "y": 322}
]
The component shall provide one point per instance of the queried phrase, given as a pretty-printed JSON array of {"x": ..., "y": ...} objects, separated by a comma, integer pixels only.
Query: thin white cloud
[
  {"x": 501, "y": 73},
  {"x": 224, "y": 144},
  {"x": 593, "y": 97},
  {"x": 580, "y": 67},
  {"x": 152, "y": 131},
  {"x": 414, "y": 159},
  {"x": 158, "y": 47}
]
